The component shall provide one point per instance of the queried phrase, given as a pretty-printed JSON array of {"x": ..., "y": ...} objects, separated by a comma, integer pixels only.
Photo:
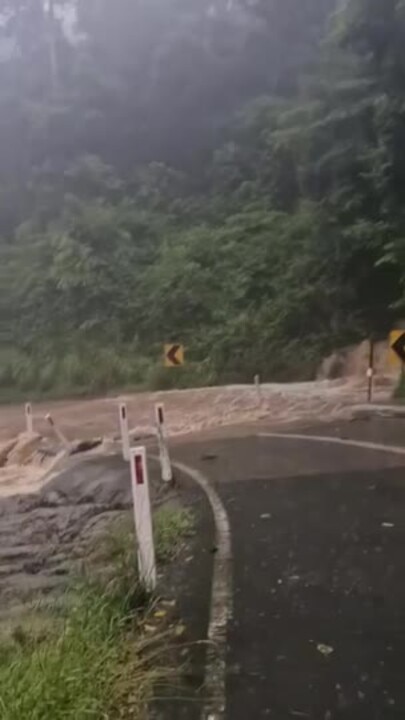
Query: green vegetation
[
  {"x": 91, "y": 669},
  {"x": 171, "y": 528},
  {"x": 87, "y": 657},
  {"x": 225, "y": 174}
]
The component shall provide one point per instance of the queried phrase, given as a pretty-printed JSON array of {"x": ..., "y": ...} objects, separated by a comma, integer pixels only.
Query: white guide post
[
  {"x": 124, "y": 429},
  {"x": 59, "y": 434},
  {"x": 29, "y": 420},
  {"x": 165, "y": 464},
  {"x": 258, "y": 389},
  {"x": 143, "y": 518}
]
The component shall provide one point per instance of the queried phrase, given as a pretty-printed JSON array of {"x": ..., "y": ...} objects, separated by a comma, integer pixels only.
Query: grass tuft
[{"x": 171, "y": 527}]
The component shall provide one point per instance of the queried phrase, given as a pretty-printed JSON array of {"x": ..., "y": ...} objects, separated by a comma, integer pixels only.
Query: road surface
[{"x": 318, "y": 533}]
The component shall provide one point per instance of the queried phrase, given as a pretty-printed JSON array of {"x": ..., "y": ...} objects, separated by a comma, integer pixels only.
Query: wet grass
[{"x": 87, "y": 656}]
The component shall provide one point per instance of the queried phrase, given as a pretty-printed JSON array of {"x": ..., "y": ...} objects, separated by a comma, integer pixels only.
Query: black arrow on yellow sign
[
  {"x": 399, "y": 347},
  {"x": 174, "y": 355}
]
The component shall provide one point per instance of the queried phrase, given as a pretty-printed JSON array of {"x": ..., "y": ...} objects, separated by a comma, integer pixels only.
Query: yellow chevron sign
[
  {"x": 173, "y": 355},
  {"x": 397, "y": 348}
]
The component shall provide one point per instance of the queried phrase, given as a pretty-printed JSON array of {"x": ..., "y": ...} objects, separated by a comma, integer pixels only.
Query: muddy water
[
  {"x": 193, "y": 410},
  {"x": 189, "y": 411},
  {"x": 25, "y": 463},
  {"x": 45, "y": 535}
]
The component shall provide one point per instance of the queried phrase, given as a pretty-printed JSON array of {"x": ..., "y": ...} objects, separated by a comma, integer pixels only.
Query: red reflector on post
[
  {"x": 123, "y": 412},
  {"x": 160, "y": 414},
  {"x": 139, "y": 472}
]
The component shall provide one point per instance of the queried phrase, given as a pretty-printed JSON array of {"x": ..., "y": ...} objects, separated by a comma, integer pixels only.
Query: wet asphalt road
[{"x": 319, "y": 587}]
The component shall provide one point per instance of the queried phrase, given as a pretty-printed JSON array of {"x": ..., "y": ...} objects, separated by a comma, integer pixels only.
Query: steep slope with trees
[{"x": 228, "y": 174}]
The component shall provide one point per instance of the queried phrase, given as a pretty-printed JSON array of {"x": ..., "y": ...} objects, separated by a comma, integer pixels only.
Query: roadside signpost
[
  {"x": 124, "y": 429},
  {"x": 173, "y": 355},
  {"x": 29, "y": 420},
  {"x": 258, "y": 390},
  {"x": 143, "y": 518},
  {"x": 165, "y": 464}
]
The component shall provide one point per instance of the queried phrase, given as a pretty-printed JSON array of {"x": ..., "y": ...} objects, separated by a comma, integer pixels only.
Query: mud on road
[
  {"x": 193, "y": 411},
  {"x": 188, "y": 413}
]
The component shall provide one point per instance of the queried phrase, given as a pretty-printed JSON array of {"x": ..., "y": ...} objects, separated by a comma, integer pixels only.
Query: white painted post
[
  {"x": 370, "y": 372},
  {"x": 143, "y": 518},
  {"x": 258, "y": 389},
  {"x": 126, "y": 445},
  {"x": 59, "y": 434},
  {"x": 165, "y": 464},
  {"x": 29, "y": 421}
]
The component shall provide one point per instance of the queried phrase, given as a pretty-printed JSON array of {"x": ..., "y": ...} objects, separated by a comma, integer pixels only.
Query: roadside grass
[
  {"x": 172, "y": 527},
  {"x": 86, "y": 656}
]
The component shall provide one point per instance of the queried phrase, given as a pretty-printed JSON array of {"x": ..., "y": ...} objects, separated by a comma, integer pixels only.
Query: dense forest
[{"x": 229, "y": 174}]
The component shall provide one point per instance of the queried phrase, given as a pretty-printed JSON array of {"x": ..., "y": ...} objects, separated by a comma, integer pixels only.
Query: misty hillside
[{"x": 228, "y": 174}]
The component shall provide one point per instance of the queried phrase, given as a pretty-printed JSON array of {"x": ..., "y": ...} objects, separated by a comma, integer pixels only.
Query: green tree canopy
[{"x": 228, "y": 173}]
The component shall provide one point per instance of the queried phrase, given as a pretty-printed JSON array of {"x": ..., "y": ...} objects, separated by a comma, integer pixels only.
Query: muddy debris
[
  {"x": 45, "y": 536},
  {"x": 83, "y": 446}
]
